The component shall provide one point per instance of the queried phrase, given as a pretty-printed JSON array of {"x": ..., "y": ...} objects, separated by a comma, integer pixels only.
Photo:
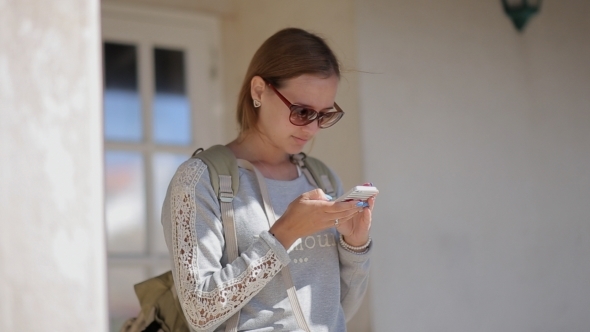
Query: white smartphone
[{"x": 358, "y": 193}]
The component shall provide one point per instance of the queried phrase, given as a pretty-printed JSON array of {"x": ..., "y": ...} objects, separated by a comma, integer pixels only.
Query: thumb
[{"x": 316, "y": 194}]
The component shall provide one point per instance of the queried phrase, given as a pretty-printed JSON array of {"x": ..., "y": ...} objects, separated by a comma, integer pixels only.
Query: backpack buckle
[
  {"x": 197, "y": 151},
  {"x": 226, "y": 197},
  {"x": 298, "y": 159}
]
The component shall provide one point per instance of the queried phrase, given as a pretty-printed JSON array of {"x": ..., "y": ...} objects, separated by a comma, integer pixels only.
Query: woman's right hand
[{"x": 308, "y": 214}]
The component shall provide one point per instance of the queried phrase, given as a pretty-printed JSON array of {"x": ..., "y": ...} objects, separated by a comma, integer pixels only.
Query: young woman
[{"x": 286, "y": 98}]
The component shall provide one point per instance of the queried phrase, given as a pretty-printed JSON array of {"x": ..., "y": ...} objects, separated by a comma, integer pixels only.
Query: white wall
[
  {"x": 52, "y": 265},
  {"x": 479, "y": 139}
]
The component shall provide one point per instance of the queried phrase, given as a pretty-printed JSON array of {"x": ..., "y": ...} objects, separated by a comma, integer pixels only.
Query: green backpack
[{"x": 160, "y": 308}]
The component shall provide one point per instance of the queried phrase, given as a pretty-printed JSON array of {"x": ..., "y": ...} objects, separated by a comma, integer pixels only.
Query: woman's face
[{"x": 311, "y": 91}]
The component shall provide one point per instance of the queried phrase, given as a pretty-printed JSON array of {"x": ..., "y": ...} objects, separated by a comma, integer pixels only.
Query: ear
[{"x": 257, "y": 87}]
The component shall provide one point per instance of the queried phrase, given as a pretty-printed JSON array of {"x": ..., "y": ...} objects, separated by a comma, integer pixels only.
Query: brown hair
[{"x": 287, "y": 54}]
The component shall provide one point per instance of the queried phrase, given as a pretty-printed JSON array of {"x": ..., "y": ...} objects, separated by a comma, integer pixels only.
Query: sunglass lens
[
  {"x": 302, "y": 116},
  {"x": 329, "y": 119}
]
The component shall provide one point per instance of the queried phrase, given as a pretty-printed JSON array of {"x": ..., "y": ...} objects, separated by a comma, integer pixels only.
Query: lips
[{"x": 300, "y": 140}]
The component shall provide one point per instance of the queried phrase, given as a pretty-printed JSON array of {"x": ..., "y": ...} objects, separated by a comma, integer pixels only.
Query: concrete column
[{"x": 52, "y": 248}]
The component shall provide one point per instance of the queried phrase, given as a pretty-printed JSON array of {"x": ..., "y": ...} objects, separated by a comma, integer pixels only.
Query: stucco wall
[
  {"x": 479, "y": 140},
  {"x": 52, "y": 250}
]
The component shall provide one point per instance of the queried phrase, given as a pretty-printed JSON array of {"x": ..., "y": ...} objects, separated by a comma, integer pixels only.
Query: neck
[
  {"x": 257, "y": 148},
  {"x": 271, "y": 161}
]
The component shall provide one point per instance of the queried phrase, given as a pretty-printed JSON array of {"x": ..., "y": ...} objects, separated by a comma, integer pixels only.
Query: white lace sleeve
[{"x": 209, "y": 293}]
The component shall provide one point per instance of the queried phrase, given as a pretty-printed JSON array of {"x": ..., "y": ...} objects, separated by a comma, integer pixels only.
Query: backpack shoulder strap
[
  {"x": 225, "y": 179},
  {"x": 160, "y": 307},
  {"x": 317, "y": 173},
  {"x": 220, "y": 160}
]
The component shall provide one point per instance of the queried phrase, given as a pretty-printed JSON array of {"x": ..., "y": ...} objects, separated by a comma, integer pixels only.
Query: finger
[
  {"x": 344, "y": 225},
  {"x": 371, "y": 202},
  {"x": 365, "y": 218},
  {"x": 347, "y": 214},
  {"x": 345, "y": 206},
  {"x": 348, "y": 218},
  {"x": 316, "y": 194},
  {"x": 360, "y": 218}
]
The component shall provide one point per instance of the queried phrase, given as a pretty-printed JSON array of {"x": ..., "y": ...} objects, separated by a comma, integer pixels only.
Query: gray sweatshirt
[{"x": 330, "y": 280}]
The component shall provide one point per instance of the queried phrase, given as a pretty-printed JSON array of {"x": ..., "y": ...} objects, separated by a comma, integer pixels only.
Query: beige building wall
[
  {"x": 479, "y": 139},
  {"x": 52, "y": 248}
]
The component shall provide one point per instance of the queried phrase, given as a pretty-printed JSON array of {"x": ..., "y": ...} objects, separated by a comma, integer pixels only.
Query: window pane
[
  {"x": 122, "y": 105},
  {"x": 125, "y": 202},
  {"x": 172, "y": 116},
  {"x": 164, "y": 165},
  {"x": 123, "y": 303}
]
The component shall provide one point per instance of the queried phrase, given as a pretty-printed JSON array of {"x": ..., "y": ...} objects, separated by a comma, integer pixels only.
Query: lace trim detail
[
  {"x": 216, "y": 306},
  {"x": 183, "y": 209},
  {"x": 207, "y": 309}
]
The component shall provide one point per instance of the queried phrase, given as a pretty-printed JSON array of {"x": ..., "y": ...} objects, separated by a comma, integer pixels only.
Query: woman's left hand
[{"x": 356, "y": 229}]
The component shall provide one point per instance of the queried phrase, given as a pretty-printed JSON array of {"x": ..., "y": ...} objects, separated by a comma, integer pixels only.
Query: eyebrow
[
  {"x": 309, "y": 106},
  {"x": 285, "y": 100}
]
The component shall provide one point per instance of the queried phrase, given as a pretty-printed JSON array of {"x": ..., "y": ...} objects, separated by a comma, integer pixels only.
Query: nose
[{"x": 313, "y": 127}]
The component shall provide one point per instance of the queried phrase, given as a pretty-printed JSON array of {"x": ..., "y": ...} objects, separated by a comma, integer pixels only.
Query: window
[{"x": 161, "y": 102}]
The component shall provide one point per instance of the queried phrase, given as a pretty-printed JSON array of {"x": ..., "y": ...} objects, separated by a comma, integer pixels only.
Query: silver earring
[{"x": 257, "y": 103}]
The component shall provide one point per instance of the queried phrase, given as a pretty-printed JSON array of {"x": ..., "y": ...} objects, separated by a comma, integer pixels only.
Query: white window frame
[{"x": 147, "y": 27}]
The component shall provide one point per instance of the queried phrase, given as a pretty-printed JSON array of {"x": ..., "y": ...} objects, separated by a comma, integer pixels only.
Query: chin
[{"x": 294, "y": 149}]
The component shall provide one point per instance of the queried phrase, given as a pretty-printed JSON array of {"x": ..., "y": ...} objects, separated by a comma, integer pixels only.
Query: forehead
[{"x": 311, "y": 90}]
